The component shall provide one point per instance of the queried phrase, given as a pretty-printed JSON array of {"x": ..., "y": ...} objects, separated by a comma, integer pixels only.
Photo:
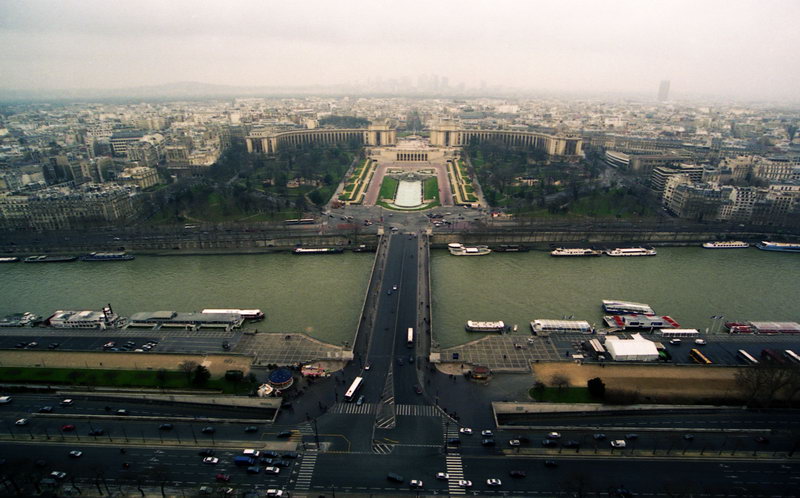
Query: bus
[
  {"x": 353, "y": 390},
  {"x": 747, "y": 357},
  {"x": 772, "y": 356},
  {"x": 410, "y": 338},
  {"x": 679, "y": 333},
  {"x": 595, "y": 348},
  {"x": 300, "y": 221},
  {"x": 699, "y": 357},
  {"x": 792, "y": 355}
]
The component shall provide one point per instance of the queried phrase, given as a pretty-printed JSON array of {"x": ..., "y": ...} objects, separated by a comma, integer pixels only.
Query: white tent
[{"x": 636, "y": 348}]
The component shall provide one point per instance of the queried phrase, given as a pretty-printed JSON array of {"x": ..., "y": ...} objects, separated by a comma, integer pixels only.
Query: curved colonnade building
[{"x": 567, "y": 147}]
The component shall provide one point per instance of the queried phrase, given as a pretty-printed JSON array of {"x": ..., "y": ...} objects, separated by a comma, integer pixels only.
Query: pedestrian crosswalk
[
  {"x": 306, "y": 471},
  {"x": 417, "y": 410},
  {"x": 306, "y": 429},
  {"x": 455, "y": 472},
  {"x": 354, "y": 409},
  {"x": 382, "y": 448}
]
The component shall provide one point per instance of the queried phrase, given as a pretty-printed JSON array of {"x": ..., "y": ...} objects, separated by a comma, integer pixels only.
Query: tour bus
[
  {"x": 300, "y": 221},
  {"x": 747, "y": 357},
  {"x": 353, "y": 390},
  {"x": 699, "y": 357},
  {"x": 410, "y": 338}
]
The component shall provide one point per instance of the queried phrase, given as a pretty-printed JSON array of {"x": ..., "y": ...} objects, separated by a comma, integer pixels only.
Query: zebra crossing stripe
[{"x": 306, "y": 470}]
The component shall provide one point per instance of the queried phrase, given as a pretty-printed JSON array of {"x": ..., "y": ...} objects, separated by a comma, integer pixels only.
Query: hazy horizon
[{"x": 739, "y": 49}]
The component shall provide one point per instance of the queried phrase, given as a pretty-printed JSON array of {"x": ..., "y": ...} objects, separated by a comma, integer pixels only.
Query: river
[
  {"x": 690, "y": 284},
  {"x": 318, "y": 295}
]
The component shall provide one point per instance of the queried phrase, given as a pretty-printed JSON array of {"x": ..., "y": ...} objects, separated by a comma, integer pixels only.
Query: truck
[{"x": 244, "y": 461}]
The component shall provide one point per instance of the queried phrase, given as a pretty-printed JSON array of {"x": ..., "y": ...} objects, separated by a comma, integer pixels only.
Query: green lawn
[
  {"x": 564, "y": 395},
  {"x": 388, "y": 188},
  {"x": 431, "y": 188},
  {"x": 115, "y": 378}
]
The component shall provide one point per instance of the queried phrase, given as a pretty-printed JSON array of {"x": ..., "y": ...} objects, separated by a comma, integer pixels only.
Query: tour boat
[
  {"x": 107, "y": 256},
  {"x": 564, "y": 251},
  {"x": 726, "y": 244},
  {"x": 457, "y": 249},
  {"x": 630, "y": 251},
  {"x": 473, "y": 326},
  {"x": 779, "y": 246}
]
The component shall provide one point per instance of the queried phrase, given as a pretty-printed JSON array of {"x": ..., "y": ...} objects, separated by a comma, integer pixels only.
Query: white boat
[
  {"x": 766, "y": 245},
  {"x": 253, "y": 314},
  {"x": 726, "y": 244},
  {"x": 630, "y": 251},
  {"x": 626, "y": 308},
  {"x": 12, "y": 259},
  {"x": 563, "y": 251},
  {"x": 473, "y": 326},
  {"x": 458, "y": 249}
]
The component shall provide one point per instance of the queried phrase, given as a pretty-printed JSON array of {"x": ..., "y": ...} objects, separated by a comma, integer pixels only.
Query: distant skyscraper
[{"x": 663, "y": 91}]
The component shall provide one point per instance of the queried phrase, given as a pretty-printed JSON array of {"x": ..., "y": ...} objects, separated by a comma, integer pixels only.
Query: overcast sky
[{"x": 746, "y": 49}]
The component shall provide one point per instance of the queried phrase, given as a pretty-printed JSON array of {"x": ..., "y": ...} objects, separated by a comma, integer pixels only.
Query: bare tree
[
  {"x": 559, "y": 380},
  {"x": 760, "y": 384},
  {"x": 188, "y": 368}
]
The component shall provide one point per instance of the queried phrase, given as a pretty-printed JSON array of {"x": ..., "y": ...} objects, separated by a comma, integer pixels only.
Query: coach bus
[
  {"x": 699, "y": 357},
  {"x": 353, "y": 390},
  {"x": 747, "y": 357},
  {"x": 679, "y": 333},
  {"x": 410, "y": 338},
  {"x": 300, "y": 221},
  {"x": 792, "y": 355}
]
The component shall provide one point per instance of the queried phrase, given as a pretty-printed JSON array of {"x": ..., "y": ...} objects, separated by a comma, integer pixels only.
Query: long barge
[
  {"x": 317, "y": 250},
  {"x": 626, "y": 308},
  {"x": 565, "y": 251},
  {"x": 766, "y": 245},
  {"x": 630, "y": 252},
  {"x": 107, "y": 256},
  {"x": 49, "y": 259},
  {"x": 253, "y": 314},
  {"x": 640, "y": 322}
]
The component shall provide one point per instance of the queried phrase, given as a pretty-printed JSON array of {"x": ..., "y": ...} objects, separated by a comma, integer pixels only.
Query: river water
[
  {"x": 690, "y": 284},
  {"x": 318, "y": 295}
]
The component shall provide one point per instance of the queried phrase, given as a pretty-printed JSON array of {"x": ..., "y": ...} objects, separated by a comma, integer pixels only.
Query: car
[
  {"x": 75, "y": 454},
  {"x": 274, "y": 492},
  {"x": 599, "y": 436},
  {"x": 394, "y": 287},
  {"x": 442, "y": 476},
  {"x": 267, "y": 461},
  {"x": 32, "y": 344},
  {"x": 549, "y": 443},
  {"x": 688, "y": 437},
  {"x": 206, "y": 452},
  {"x": 400, "y": 361},
  {"x": 67, "y": 428},
  {"x": 251, "y": 428},
  {"x": 272, "y": 470},
  {"x": 463, "y": 483},
  {"x": 223, "y": 477},
  {"x": 487, "y": 433},
  {"x": 291, "y": 455},
  {"x": 494, "y": 482},
  {"x": 389, "y": 292},
  {"x": 56, "y": 474},
  {"x": 488, "y": 442},
  {"x": 96, "y": 432},
  {"x": 454, "y": 441},
  {"x": 122, "y": 411},
  {"x": 367, "y": 366},
  {"x": 553, "y": 435},
  {"x": 417, "y": 389},
  {"x": 550, "y": 463},
  {"x": 360, "y": 400},
  {"x": 618, "y": 443},
  {"x": 109, "y": 345},
  {"x": 22, "y": 421},
  {"x": 410, "y": 360},
  {"x": 53, "y": 345},
  {"x": 20, "y": 345},
  {"x": 253, "y": 469},
  {"x": 571, "y": 444},
  {"x": 46, "y": 409},
  {"x": 632, "y": 435},
  {"x": 700, "y": 342},
  {"x": 208, "y": 430},
  {"x": 514, "y": 442},
  {"x": 675, "y": 342},
  {"x": 165, "y": 427},
  {"x": 66, "y": 402},
  {"x": 415, "y": 483},
  {"x": 226, "y": 345},
  {"x": 270, "y": 454},
  {"x": 284, "y": 434},
  {"x": 391, "y": 476},
  {"x": 517, "y": 474},
  {"x": 465, "y": 430}
]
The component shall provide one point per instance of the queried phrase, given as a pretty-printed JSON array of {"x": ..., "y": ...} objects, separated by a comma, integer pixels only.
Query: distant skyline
[{"x": 728, "y": 49}]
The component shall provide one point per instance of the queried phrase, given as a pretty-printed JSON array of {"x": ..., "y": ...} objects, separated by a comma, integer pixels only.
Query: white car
[
  {"x": 75, "y": 454},
  {"x": 700, "y": 342},
  {"x": 272, "y": 470},
  {"x": 66, "y": 402},
  {"x": 494, "y": 482},
  {"x": 5, "y": 399},
  {"x": 465, "y": 430},
  {"x": 553, "y": 435},
  {"x": 487, "y": 433},
  {"x": 58, "y": 475},
  {"x": 415, "y": 483},
  {"x": 463, "y": 483},
  {"x": 442, "y": 476},
  {"x": 514, "y": 442},
  {"x": 22, "y": 421},
  {"x": 274, "y": 492},
  {"x": 675, "y": 341},
  {"x": 618, "y": 443},
  {"x": 211, "y": 460}
]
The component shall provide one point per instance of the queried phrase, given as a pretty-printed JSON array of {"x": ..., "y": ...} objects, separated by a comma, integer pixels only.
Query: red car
[
  {"x": 223, "y": 477},
  {"x": 68, "y": 428}
]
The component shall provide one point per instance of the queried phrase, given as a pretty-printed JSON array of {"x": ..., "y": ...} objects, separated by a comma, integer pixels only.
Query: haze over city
[{"x": 741, "y": 50}]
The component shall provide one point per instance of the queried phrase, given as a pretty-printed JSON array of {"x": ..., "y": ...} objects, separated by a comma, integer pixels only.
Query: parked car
[
  {"x": 553, "y": 435},
  {"x": 46, "y": 409},
  {"x": 251, "y": 428},
  {"x": 22, "y": 421},
  {"x": 284, "y": 434},
  {"x": 208, "y": 430},
  {"x": 272, "y": 470},
  {"x": 66, "y": 402},
  {"x": 599, "y": 436},
  {"x": 618, "y": 443},
  {"x": 67, "y": 428},
  {"x": 75, "y": 454}
]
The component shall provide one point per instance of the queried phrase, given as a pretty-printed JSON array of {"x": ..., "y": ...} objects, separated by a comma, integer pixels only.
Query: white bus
[
  {"x": 747, "y": 357},
  {"x": 353, "y": 390},
  {"x": 679, "y": 333},
  {"x": 410, "y": 338}
]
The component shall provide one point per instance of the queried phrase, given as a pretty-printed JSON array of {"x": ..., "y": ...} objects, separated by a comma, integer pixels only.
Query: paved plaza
[
  {"x": 510, "y": 352},
  {"x": 287, "y": 349}
]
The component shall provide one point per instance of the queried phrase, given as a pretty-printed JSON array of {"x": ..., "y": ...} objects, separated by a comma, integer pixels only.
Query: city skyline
[{"x": 573, "y": 48}]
